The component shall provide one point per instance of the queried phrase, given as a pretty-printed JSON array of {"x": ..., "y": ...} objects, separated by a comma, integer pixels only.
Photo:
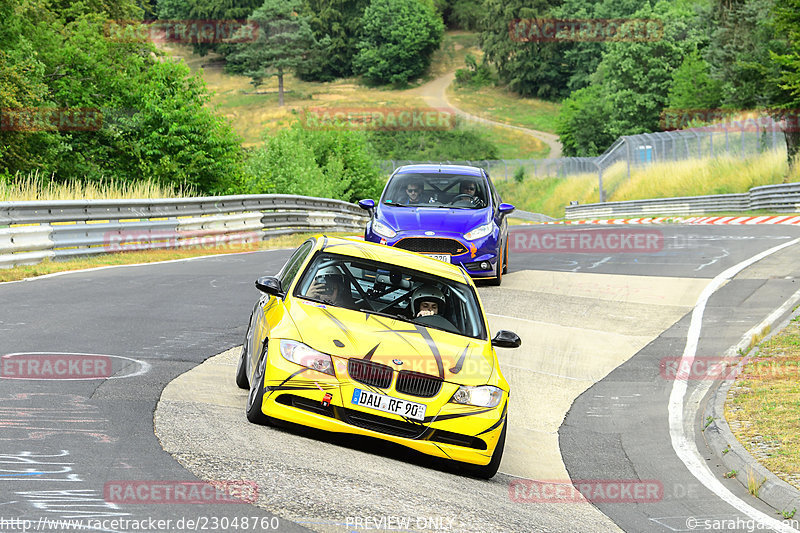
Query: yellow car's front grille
[
  {"x": 369, "y": 373},
  {"x": 416, "y": 384}
]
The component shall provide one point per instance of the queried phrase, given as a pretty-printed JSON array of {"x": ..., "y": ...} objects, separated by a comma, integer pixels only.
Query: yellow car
[{"x": 360, "y": 338}]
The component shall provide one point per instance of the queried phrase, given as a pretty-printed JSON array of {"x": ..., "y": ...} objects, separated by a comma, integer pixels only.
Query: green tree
[
  {"x": 743, "y": 36},
  {"x": 528, "y": 68},
  {"x": 214, "y": 10},
  {"x": 692, "y": 85},
  {"x": 581, "y": 123},
  {"x": 283, "y": 44},
  {"x": 336, "y": 25},
  {"x": 787, "y": 15},
  {"x": 155, "y": 121},
  {"x": 399, "y": 38}
]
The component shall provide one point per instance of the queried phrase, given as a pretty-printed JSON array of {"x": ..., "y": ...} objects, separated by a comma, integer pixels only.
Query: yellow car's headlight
[
  {"x": 483, "y": 396},
  {"x": 306, "y": 356}
]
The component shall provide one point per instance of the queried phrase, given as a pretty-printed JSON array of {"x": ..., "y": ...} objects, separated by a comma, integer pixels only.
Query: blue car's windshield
[{"x": 436, "y": 190}]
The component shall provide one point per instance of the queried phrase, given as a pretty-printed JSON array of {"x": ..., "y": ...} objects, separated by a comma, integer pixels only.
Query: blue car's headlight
[
  {"x": 479, "y": 232},
  {"x": 306, "y": 356},
  {"x": 383, "y": 230}
]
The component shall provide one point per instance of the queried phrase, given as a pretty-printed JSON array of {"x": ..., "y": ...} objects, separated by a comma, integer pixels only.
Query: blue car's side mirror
[
  {"x": 505, "y": 209},
  {"x": 367, "y": 204}
]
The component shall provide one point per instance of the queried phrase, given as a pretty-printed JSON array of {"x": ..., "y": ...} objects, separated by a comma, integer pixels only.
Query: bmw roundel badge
[{"x": 397, "y": 361}]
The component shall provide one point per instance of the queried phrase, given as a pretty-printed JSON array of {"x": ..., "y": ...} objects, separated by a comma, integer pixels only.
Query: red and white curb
[{"x": 772, "y": 219}]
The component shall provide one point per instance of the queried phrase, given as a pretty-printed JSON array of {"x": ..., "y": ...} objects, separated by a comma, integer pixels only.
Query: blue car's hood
[{"x": 433, "y": 219}]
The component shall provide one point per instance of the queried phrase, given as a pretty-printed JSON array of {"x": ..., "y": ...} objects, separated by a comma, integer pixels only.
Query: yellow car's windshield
[{"x": 393, "y": 291}]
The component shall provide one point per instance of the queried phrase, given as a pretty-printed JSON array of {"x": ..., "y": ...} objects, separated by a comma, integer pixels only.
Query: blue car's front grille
[{"x": 431, "y": 245}]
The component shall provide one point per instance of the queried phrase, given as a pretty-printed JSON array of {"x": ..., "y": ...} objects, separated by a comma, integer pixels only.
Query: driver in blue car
[{"x": 470, "y": 188}]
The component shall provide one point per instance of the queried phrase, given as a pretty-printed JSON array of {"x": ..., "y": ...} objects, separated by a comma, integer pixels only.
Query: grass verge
[
  {"x": 150, "y": 256},
  {"x": 721, "y": 175},
  {"x": 763, "y": 406},
  {"x": 497, "y": 103}
]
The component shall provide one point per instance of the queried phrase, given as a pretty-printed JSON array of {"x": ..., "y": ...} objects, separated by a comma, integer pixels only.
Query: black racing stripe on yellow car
[
  {"x": 496, "y": 424},
  {"x": 395, "y": 331},
  {"x": 456, "y": 369},
  {"x": 423, "y": 331},
  {"x": 272, "y": 302},
  {"x": 441, "y": 449},
  {"x": 340, "y": 325},
  {"x": 277, "y": 388},
  {"x": 435, "y": 418},
  {"x": 273, "y": 388},
  {"x": 368, "y": 356}
]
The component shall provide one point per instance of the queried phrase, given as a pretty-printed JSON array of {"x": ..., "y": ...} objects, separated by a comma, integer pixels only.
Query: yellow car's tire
[
  {"x": 241, "y": 368},
  {"x": 256, "y": 396},
  {"x": 488, "y": 471}
]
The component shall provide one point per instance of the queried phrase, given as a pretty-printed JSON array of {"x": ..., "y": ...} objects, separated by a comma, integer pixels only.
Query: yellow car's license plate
[{"x": 381, "y": 402}]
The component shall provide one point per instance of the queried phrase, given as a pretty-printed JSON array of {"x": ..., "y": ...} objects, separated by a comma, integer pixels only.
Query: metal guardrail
[
  {"x": 783, "y": 198},
  {"x": 33, "y": 231}
]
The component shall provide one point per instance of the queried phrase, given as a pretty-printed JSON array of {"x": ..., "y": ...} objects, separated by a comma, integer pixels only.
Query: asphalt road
[{"x": 65, "y": 443}]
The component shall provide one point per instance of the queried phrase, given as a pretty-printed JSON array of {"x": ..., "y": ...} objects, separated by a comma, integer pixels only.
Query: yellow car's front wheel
[
  {"x": 489, "y": 470},
  {"x": 255, "y": 399}
]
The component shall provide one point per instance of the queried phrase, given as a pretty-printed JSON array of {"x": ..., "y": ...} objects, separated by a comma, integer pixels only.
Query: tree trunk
[
  {"x": 280, "y": 87},
  {"x": 792, "y": 137}
]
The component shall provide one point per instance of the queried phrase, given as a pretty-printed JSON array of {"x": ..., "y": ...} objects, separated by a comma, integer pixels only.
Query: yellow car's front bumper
[{"x": 459, "y": 432}]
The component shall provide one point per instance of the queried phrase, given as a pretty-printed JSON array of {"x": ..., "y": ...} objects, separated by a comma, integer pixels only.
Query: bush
[
  {"x": 458, "y": 144},
  {"x": 323, "y": 163},
  {"x": 475, "y": 75},
  {"x": 399, "y": 38}
]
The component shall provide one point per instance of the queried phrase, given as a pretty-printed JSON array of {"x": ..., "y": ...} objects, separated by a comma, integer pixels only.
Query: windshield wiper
[{"x": 396, "y": 204}]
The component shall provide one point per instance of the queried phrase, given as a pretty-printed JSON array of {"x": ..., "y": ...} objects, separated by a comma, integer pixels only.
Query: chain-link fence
[{"x": 741, "y": 139}]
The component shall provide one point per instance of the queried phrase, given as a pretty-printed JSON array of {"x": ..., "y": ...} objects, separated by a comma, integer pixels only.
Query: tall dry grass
[
  {"x": 36, "y": 186},
  {"x": 694, "y": 177}
]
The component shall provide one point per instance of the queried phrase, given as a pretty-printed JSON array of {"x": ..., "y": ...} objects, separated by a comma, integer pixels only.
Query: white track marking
[{"x": 684, "y": 446}]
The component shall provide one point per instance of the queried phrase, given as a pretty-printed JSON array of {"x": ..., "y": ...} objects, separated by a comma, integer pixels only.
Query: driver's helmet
[
  {"x": 331, "y": 276},
  {"x": 427, "y": 293}
]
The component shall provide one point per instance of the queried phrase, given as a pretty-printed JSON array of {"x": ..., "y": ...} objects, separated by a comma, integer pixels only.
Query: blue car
[{"x": 450, "y": 212}]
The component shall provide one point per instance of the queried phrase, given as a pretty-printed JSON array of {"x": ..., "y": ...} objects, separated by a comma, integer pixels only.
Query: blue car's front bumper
[{"x": 479, "y": 257}]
